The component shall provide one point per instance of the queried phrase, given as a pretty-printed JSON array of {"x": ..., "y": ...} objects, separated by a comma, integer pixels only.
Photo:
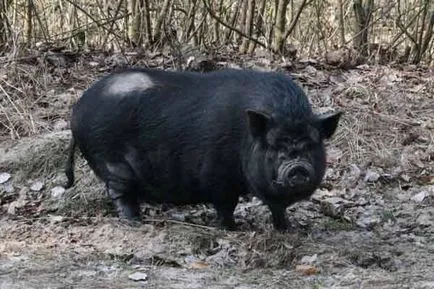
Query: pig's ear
[
  {"x": 328, "y": 123},
  {"x": 258, "y": 121}
]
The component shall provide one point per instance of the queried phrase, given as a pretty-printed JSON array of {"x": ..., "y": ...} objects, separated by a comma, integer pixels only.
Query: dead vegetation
[
  {"x": 371, "y": 222},
  {"x": 374, "y": 204},
  {"x": 378, "y": 30}
]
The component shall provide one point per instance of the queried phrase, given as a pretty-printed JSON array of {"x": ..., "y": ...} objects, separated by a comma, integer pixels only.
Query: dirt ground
[{"x": 370, "y": 225}]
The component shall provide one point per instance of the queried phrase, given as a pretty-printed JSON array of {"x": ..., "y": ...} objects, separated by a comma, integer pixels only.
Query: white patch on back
[{"x": 128, "y": 82}]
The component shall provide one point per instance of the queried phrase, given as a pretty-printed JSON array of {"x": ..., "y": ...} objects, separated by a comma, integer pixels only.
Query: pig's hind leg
[
  {"x": 121, "y": 184},
  {"x": 225, "y": 214}
]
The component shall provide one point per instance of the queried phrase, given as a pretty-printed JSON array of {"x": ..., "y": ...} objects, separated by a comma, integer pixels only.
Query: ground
[{"x": 370, "y": 224}]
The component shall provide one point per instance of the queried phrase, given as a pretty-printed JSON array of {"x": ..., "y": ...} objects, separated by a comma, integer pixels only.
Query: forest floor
[{"x": 370, "y": 225}]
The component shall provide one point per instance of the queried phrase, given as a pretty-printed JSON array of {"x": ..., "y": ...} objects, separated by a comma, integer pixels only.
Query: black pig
[{"x": 184, "y": 138}]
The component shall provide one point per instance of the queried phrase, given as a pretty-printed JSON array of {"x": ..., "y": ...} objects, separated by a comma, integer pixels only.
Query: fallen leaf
[
  {"x": 419, "y": 197},
  {"x": 371, "y": 176},
  {"x": 138, "y": 276},
  {"x": 57, "y": 192},
  {"x": 199, "y": 265},
  {"x": 307, "y": 269},
  {"x": 4, "y": 177},
  {"x": 37, "y": 186}
]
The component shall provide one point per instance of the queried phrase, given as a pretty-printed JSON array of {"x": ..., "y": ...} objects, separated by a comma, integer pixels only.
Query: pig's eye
[
  {"x": 304, "y": 146},
  {"x": 286, "y": 154},
  {"x": 282, "y": 156}
]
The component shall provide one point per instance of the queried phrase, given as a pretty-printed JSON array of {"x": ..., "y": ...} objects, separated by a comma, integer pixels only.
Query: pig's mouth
[{"x": 294, "y": 176}]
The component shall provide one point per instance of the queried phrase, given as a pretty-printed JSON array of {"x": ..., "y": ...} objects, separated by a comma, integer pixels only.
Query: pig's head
[{"x": 286, "y": 158}]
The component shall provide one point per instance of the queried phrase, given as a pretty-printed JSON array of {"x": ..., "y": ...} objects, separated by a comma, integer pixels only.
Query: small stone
[
  {"x": 405, "y": 178},
  {"x": 368, "y": 219},
  {"x": 60, "y": 124},
  {"x": 424, "y": 220},
  {"x": 311, "y": 70},
  {"x": 93, "y": 64},
  {"x": 287, "y": 65},
  {"x": 138, "y": 276},
  {"x": 19, "y": 203},
  {"x": 334, "y": 206},
  {"x": 371, "y": 176},
  {"x": 56, "y": 219},
  {"x": 362, "y": 201},
  {"x": 4, "y": 177},
  {"x": 322, "y": 194},
  {"x": 419, "y": 197},
  {"x": 57, "y": 192},
  {"x": 309, "y": 260},
  {"x": 37, "y": 186},
  {"x": 308, "y": 61},
  {"x": 233, "y": 66},
  {"x": 178, "y": 216},
  {"x": 355, "y": 172},
  {"x": 8, "y": 188},
  {"x": 190, "y": 259}
]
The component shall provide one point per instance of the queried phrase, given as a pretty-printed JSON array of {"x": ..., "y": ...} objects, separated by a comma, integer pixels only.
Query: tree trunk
[
  {"x": 159, "y": 24},
  {"x": 242, "y": 20},
  {"x": 363, "y": 13},
  {"x": 29, "y": 27},
  {"x": 279, "y": 27},
  {"x": 135, "y": 32},
  {"x": 216, "y": 25},
  {"x": 232, "y": 21},
  {"x": 248, "y": 25},
  {"x": 425, "y": 41},
  {"x": 258, "y": 29},
  {"x": 341, "y": 22},
  {"x": 3, "y": 23},
  {"x": 147, "y": 19},
  {"x": 189, "y": 22}
]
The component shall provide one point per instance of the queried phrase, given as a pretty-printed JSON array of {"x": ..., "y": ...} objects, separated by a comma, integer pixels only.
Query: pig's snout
[
  {"x": 295, "y": 174},
  {"x": 298, "y": 176}
]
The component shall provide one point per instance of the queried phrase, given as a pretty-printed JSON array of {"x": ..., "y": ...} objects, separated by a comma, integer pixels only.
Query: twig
[
  {"x": 151, "y": 220},
  {"x": 180, "y": 223},
  {"x": 395, "y": 39},
  {"x": 91, "y": 17},
  {"x": 12, "y": 59},
  {"x": 295, "y": 20},
  {"x": 110, "y": 30},
  {"x": 213, "y": 15},
  {"x": 404, "y": 29},
  {"x": 100, "y": 22}
]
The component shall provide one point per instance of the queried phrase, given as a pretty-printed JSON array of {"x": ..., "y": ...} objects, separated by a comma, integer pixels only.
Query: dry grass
[
  {"x": 35, "y": 157},
  {"x": 387, "y": 126},
  {"x": 387, "y": 120},
  {"x": 31, "y": 101},
  {"x": 108, "y": 25}
]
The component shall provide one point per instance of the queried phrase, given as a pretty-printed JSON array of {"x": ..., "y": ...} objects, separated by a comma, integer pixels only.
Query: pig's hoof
[
  {"x": 282, "y": 226},
  {"x": 127, "y": 211},
  {"x": 227, "y": 224},
  {"x": 131, "y": 222}
]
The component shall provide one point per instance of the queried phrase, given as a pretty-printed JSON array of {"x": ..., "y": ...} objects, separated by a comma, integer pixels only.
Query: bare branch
[
  {"x": 209, "y": 10},
  {"x": 110, "y": 30},
  {"x": 92, "y": 18},
  {"x": 295, "y": 20}
]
